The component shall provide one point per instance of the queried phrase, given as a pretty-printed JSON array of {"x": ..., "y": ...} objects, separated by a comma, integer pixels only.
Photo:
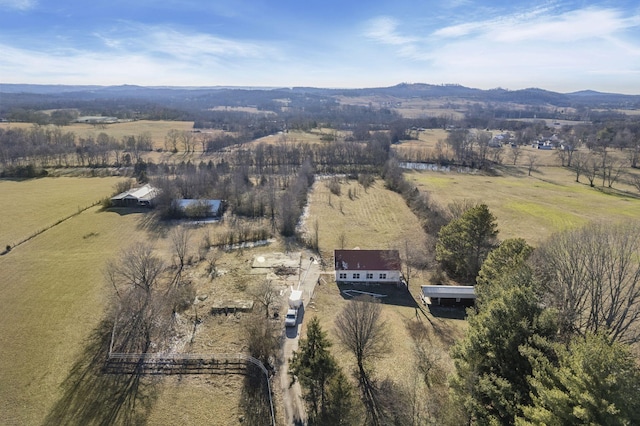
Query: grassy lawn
[
  {"x": 38, "y": 203},
  {"x": 53, "y": 299},
  {"x": 532, "y": 207}
]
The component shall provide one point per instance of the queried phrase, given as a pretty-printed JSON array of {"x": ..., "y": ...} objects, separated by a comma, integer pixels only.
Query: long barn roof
[{"x": 449, "y": 291}]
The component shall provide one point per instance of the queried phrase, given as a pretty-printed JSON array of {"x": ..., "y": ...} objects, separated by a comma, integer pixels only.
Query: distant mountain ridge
[{"x": 529, "y": 96}]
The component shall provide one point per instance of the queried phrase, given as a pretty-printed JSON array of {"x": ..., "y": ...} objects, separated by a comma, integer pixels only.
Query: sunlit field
[
  {"x": 532, "y": 207},
  {"x": 53, "y": 298},
  {"x": 32, "y": 205},
  {"x": 156, "y": 129}
]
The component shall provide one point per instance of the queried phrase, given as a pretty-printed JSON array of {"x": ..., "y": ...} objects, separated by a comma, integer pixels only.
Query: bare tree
[
  {"x": 592, "y": 277},
  {"x": 360, "y": 329},
  {"x": 180, "y": 237},
  {"x": 531, "y": 163},
  {"x": 591, "y": 168},
  {"x": 261, "y": 339},
  {"x": 635, "y": 181},
  {"x": 342, "y": 238},
  {"x": 143, "y": 312},
  {"x": 171, "y": 140},
  {"x": 266, "y": 294},
  {"x": 611, "y": 172},
  {"x": 316, "y": 236},
  {"x": 579, "y": 164},
  {"x": 188, "y": 140}
]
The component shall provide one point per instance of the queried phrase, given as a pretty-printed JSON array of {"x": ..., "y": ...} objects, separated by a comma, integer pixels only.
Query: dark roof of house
[{"x": 367, "y": 260}]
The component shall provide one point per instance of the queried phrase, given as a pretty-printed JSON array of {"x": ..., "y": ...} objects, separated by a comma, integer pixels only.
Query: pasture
[
  {"x": 53, "y": 300},
  {"x": 532, "y": 207},
  {"x": 156, "y": 129},
  {"x": 375, "y": 218},
  {"x": 53, "y": 326},
  {"x": 55, "y": 330},
  {"x": 38, "y": 203}
]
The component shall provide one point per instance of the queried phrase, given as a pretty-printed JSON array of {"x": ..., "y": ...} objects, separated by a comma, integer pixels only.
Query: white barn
[{"x": 136, "y": 197}]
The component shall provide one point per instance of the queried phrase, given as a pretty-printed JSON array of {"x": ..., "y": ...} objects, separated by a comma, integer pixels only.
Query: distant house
[
  {"x": 448, "y": 295},
  {"x": 194, "y": 208},
  {"x": 136, "y": 197},
  {"x": 367, "y": 266}
]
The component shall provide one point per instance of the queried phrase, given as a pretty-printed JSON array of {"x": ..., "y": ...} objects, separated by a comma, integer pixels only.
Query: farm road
[{"x": 292, "y": 395}]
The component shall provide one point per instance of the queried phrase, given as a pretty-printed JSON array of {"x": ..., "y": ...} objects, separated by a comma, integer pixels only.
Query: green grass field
[
  {"x": 532, "y": 207},
  {"x": 37, "y": 203},
  {"x": 53, "y": 298}
]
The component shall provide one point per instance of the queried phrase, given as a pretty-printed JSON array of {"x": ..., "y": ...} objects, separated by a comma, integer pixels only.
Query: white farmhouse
[{"x": 367, "y": 266}]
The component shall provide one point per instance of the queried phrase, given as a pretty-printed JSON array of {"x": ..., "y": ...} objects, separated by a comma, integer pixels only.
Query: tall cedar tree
[
  {"x": 491, "y": 372},
  {"x": 464, "y": 243},
  {"x": 329, "y": 396},
  {"x": 314, "y": 366},
  {"x": 592, "y": 381}
]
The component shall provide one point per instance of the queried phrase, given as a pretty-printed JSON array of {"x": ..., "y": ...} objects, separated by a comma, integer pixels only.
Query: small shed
[
  {"x": 136, "y": 197},
  {"x": 367, "y": 266},
  {"x": 448, "y": 295}
]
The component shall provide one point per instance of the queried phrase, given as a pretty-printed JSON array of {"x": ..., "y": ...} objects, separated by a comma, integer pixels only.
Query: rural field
[
  {"x": 532, "y": 207},
  {"x": 39, "y": 203},
  {"x": 156, "y": 129},
  {"x": 54, "y": 332},
  {"x": 55, "y": 329},
  {"x": 53, "y": 300}
]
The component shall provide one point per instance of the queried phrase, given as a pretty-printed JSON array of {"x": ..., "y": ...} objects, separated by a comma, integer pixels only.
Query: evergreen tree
[
  {"x": 464, "y": 243},
  {"x": 508, "y": 258},
  {"x": 326, "y": 391},
  {"x": 491, "y": 371},
  {"x": 593, "y": 381}
]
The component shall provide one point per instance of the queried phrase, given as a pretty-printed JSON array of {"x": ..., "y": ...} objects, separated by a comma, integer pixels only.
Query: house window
[
  {"x": 356, "y": 276},
  {"x": 369, "y": 276},
  {"x": 383, "y": 276},
  {"x": 342, "y": 276}
]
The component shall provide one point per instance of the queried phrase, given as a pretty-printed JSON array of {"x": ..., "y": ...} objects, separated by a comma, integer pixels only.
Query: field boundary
[
  {"x": 157, "y": 363},
  {"x": 41, "y": 231}
]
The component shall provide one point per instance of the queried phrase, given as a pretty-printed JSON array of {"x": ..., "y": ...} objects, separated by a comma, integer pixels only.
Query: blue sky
[{"x": 562, "y": 46}]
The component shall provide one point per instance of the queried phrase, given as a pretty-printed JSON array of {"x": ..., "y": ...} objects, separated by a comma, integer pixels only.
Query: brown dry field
[
  {"x": 157, "y": 129},
  {"x": 54, "y": 303},
  {"x": 375, "y": 219},
  {"x": 294, "y": 137}
]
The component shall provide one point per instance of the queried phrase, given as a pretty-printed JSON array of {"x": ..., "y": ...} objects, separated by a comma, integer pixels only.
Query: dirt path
[{"x": 294, "y": 411}]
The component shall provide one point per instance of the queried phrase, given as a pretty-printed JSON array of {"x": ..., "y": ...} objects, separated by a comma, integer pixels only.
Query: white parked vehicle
[
  {"x": 295, "y": 301},
  {"x": 292, "y": 317}
]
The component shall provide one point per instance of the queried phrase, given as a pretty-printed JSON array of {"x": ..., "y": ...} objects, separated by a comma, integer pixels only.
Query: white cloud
[
  {"x": 18, "y": 4},
  {"x": 183, "y": 45},
  {"x": 544, "y": 25},
  {"x": 383, "y": 30},
  {"x": 542, "y": 47}
]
